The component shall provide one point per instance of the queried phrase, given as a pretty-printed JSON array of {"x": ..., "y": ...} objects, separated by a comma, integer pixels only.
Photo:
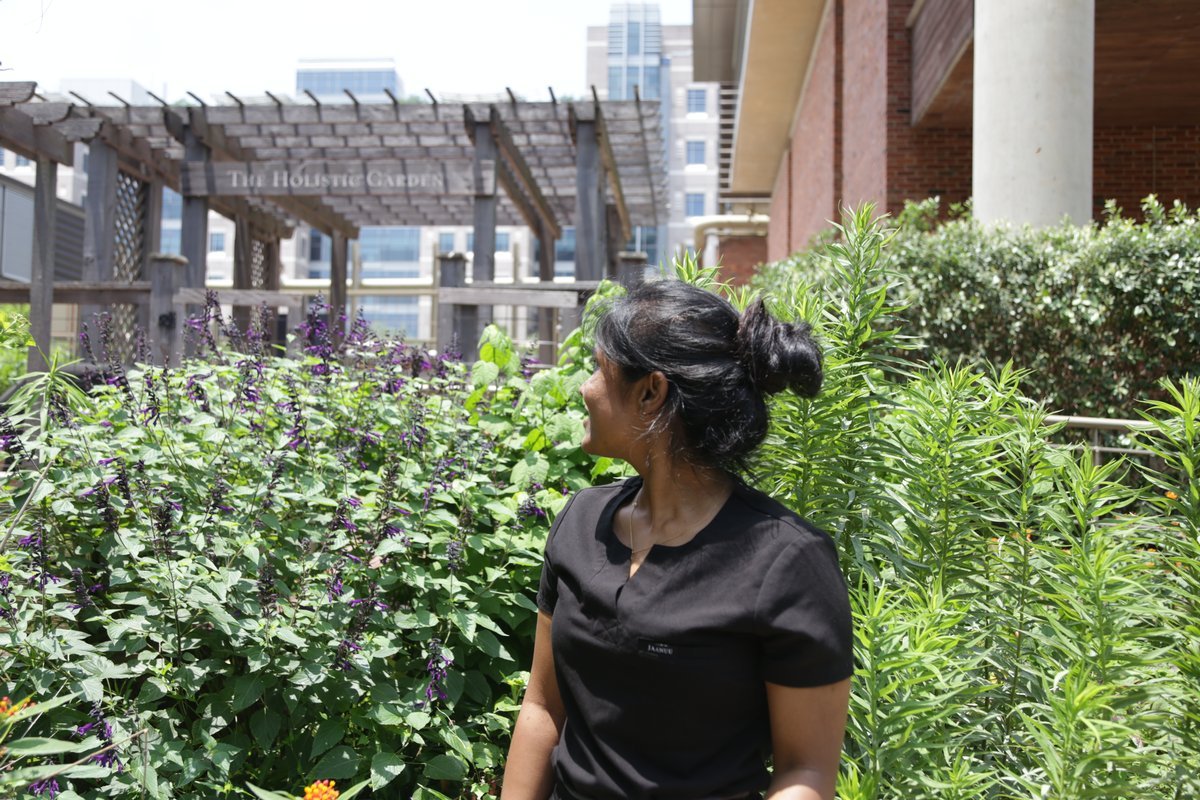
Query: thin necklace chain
[{"x": 633, "y": 549}]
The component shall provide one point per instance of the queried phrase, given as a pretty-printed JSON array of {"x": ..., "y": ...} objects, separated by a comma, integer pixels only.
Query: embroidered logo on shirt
[{"x": 655, "y": 648}]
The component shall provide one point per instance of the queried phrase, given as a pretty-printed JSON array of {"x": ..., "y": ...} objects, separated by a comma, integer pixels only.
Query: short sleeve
[
  {"x": 547, "y": 596},
  {"x": 803, "y": 616}
]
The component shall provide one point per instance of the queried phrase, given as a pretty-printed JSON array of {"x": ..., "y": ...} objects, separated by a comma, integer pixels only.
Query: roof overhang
[
  {"x": 716, "y": 36},
  {"x": 779, "y": 34},
  {"x": 771, "y": 42}
]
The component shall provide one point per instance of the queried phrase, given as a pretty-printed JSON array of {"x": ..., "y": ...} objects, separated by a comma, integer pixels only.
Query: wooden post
[
  {"x": 272, "y": 266},
  {"x": 167, "y": 273},
  {"x": 612, "y": 241},
  {"x": 337, "y": 286},
  {"x": 546, "y": 346},
  {"x": 243, "y": 255},
  {"x": 483, "y": 266},
  {"x": 589, "y": 258},
  {"x": 194, "y": 222},
  {"x": 100, "y": 219},
  {"x": 631, "y": 269},
  {"x": 452, "y": 272},
  {"x": 41, "y": 285}
]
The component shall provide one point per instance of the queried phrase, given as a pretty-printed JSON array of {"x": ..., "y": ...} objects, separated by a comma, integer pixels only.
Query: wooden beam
[
  {"x": 16, "y": 92},
  {"x": 19, "y": 133},
  {"x": 614, "y": 176},
  {"x": 242, "y": 297},
  {"x": 511, "y": 156},
  {"x": 507, "y": 294},
  {"x": 96, "y": 293}
]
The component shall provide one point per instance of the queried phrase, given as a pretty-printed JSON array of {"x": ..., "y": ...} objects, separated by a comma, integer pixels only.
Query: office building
[{"x": 636, "y": 55}]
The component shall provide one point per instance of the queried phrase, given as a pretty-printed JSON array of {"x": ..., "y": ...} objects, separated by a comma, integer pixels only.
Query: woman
[{"x": 690, "y": 628}]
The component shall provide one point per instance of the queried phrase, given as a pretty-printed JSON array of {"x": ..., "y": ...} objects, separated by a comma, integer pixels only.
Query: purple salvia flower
[{"x": 47, "y": 788}]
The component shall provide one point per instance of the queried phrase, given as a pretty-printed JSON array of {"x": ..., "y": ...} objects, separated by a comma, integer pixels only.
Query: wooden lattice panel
[
  {"x": 258, "y": 264},
  {"x": 128, "y": 257}
]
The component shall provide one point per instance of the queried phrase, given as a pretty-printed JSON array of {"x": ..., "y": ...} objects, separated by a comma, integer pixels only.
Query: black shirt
[{"x": 662, "y": 674}]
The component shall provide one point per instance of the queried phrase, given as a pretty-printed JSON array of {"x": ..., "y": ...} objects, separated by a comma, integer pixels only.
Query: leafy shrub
[
  {"x": 256, "y": 569},
  {"x": 1095, "y": 317},
  {"x": 1025, "y": 621}
]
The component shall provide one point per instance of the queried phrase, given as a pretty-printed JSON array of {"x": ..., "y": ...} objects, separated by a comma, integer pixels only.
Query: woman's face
[{"x": 612, "y": 421}]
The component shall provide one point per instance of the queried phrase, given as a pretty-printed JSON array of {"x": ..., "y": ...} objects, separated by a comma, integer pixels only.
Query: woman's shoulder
[{"x": 775, "y": 524}]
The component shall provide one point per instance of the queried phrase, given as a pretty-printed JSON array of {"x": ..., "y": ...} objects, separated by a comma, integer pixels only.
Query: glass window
[
  {"x": 615, "y": 88},
  {"x": 1, "y": 156},
  {"x": 169, "y": 241},
  {"x": 632, "y": 78},
  {"x": 172, "y": 204},
  {"x": 392, "y": 314},
  {"x": 633, "y": 39},
  {"x": 446, "y": 242},
  {"x": 216, "y": 242},
  {"x": 695, "y": 151},
  {"x": 21, "y": 161},
  {"x": 501, "y": 241},
  {"x": 390, "y": 252},
  {"x": 319, "y": 247},
  {"x": 653, "y": 78},
  {"x": 697, "y": 101},
  {"x": 694, "y": 204},
  {"x": 564, "y": 254}
]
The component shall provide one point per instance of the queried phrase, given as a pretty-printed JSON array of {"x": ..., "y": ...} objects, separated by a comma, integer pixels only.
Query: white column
[{"x": 1032, "y": 134}]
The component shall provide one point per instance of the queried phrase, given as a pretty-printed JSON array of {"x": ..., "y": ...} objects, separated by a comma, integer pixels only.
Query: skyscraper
[{"x": 635, "y": 55}]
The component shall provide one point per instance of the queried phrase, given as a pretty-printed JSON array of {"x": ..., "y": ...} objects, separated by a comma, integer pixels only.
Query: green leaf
[
  {"x": 329, "y": 733},
  {"x": 445, "y": 767},
  {"x": 245, "y": 690},
  {"x": 385, "y": 768},
  {"x": 264, "y": 725},
  {"x": 264, "y": 794},
  {"x": 39, "y": 746},
  {"x": 339, "y": 763}
]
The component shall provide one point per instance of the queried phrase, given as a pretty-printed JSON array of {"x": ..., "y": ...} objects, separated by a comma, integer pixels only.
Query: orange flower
[
  {"x": 9, "y": 709},
  {"x": 321, "y": 790},
  {"x": 1172, "y": 496}
]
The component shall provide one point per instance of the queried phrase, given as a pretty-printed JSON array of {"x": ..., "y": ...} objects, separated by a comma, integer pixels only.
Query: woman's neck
[{"x": 676, "y": 493}]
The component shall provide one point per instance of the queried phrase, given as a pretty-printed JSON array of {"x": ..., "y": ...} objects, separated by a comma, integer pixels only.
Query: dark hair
[{"x": 719, "y": 365}]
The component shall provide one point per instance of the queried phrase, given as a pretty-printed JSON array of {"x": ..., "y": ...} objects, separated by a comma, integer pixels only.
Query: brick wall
[
  {"x": 812, "y": 147},
  {"x": 1132, "y": 162},
  {"x": 778, "y": 233},
  {"x": 866, "y": 99},
  {"x": 739, "y": 256},
  {"x": 921, "y": 162}
]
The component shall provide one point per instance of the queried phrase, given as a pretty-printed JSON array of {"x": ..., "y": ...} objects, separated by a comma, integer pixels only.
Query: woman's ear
[{"x": 654, "y": 393}]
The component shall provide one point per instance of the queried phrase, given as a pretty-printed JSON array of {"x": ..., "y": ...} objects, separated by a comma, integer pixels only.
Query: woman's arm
[
  {"x": 807, "y": 727},
  {"x": 527, "y": 774}
]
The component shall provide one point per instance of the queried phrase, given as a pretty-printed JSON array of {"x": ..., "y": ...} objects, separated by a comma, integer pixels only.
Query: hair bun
[{"x": 778, "y": 355}]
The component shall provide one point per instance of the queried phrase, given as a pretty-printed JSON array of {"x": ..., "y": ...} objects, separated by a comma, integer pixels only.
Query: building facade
[
  {"x": 635, "y": 52},
  {"x": 1033, "y": 111}
]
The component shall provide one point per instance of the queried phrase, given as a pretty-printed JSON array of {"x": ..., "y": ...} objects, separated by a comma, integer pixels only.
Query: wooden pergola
[{"x": 337, "y": 168}]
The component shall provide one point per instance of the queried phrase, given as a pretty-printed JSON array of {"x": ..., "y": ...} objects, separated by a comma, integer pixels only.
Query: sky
[{"x": 251, "y": 46}]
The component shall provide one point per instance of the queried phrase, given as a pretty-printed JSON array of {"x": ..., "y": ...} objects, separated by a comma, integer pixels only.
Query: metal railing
[{"x": 1096, "y": 426}]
